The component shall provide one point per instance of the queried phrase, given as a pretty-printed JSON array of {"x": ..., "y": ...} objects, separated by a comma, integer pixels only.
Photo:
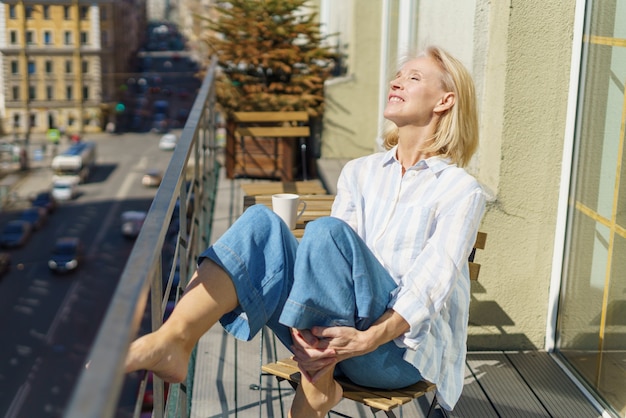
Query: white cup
[{"x": 286, "y": 206}]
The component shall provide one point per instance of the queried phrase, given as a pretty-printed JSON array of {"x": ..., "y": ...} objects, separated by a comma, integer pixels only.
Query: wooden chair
[
  {"x": 264, "y": 144},
  {"x": 376, "y": 399}
]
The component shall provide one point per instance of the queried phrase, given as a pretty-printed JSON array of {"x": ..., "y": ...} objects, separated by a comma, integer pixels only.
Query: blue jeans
[{"x": 330, "y": 279}]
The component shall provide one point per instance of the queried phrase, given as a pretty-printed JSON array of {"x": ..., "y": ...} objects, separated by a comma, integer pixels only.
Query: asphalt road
[{"x": 48, "y": 321}]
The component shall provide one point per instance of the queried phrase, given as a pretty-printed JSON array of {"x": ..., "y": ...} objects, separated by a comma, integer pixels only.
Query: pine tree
[{"x": 271, "y": 56}]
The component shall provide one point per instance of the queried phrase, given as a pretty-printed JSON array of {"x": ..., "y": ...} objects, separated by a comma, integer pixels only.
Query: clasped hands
[{"x": 319, "y": 349}]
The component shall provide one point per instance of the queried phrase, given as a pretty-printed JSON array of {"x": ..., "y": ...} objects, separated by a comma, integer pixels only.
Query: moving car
[
  {"x": 64, "y": 190},
  {"x": 66, "y": 255},
  {"x": 132, "y": 221},
  {"x": 15, "y": 234},
  {"x": 168, "y": 142},
  {"x": 152, "y": 178}
]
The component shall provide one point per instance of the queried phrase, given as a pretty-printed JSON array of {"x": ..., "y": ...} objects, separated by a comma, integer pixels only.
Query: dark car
[
  {"x": 15, "y": 234},
  {"x": 36, "y": 216},
  {"x": 45, "y": 200},
  {"x": 66, "y": 255}
]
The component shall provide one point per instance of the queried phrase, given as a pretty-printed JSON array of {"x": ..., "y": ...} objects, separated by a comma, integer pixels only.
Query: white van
[{"x": 64, "y": 189}]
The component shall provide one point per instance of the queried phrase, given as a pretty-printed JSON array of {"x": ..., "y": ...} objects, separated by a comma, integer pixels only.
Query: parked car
[
  {"x": 5, "y": 263},
  {"x": 168, "y": 142},
  {"x": 66, "y": 255},
  {"x": 152, "y": 178},
  {"x": 36, "y": 216},
  {"x": 15, "y": 234},
  {"x": 64, "y": 190},
  {"x": 45, "y": 200}
]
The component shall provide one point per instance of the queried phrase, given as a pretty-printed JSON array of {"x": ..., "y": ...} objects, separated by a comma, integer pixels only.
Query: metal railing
[{"x": 186, "y": 196}]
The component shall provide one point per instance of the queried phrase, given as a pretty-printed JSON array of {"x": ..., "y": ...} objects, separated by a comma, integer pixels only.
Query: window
[
  {"x": 12, "y": 12},
  {"x": 31, "y": 67},
  {"x": 15, "y": 92},
  {"x": 85, "y": 92},
  {"x": 33, "y": 120},
  {"x": 84, "y": 38},
  {"x": 85, "y": 67},
  {"x": 68, "y": 67},
  {"x": 13, "y": 37},
  {"x": 103, "y": 13},
  {"x": 32, "y": 93},
  {"x": 46, "y": 12},
  {"x": 16, "y": 120},
  {"x": 47, "y": 37},
  {"x": 68, "y": 92},
  {"x": 590, "y": 333},
  {"x": 15, "y": 67},
  {"x": 49, "y": 93},
  {"x": 84, "y": 12},
  {"x": 67, "y": 37},
  {"x": 67, "y": 15},
  {"x": 30, "y": 37},
  {"x": 105, "y": 38},
  {"x": 49, "y": 67},
  {"x": 29, "y": 12}
]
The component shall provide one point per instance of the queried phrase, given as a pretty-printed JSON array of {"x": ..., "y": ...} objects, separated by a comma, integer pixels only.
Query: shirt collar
[{"x": 436, "y": 163}]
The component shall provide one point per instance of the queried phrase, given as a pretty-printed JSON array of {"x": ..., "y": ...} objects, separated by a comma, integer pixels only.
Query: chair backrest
[
  {"x": 272, "y": 124},
  {"x": 479, "y": 244}
]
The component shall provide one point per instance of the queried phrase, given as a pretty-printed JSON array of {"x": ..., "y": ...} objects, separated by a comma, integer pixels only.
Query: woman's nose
[{"x": 395, "y": 84}]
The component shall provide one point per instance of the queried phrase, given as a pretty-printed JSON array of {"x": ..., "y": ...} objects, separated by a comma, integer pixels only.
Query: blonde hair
[{"x": 456, "y": 134}]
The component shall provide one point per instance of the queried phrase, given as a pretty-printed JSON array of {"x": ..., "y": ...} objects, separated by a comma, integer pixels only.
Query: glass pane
[
  {"x": 584, "y": 286},
  {"x": 592, "y": 311}
]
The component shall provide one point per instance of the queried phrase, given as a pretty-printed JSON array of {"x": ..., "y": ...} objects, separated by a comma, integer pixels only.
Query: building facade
[{"x": 64, "y": 63}]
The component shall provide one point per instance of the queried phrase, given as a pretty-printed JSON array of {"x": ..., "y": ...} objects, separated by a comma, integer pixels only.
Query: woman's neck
[{"x": 411, "y": 146}]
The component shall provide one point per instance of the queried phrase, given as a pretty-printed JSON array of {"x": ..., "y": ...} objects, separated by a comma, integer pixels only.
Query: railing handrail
[{"x": 97, "y": 391}]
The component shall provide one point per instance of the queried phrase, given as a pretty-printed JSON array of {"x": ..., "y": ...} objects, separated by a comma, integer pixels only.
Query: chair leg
[
  {"x": 261, "y": 374},
  {"x": 432, "y": 406}
]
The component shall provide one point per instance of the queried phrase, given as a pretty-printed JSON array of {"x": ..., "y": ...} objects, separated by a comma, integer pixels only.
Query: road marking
[
  {"x": 126, "y": 185},
  {"x": 69, "y": 297},
  {"x": 17, "y": 402},
  {"x": 121, "y": 194}
]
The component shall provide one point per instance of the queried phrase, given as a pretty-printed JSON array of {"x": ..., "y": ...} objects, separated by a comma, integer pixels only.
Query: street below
[{"x": 48, "y": 321}]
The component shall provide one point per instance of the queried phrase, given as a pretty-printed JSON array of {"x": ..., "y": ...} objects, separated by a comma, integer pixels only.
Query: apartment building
[{"x": 64, "y": 64}]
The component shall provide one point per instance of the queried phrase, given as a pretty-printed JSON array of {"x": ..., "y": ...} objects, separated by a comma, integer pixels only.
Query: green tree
[{"x": 271, "y": 56}]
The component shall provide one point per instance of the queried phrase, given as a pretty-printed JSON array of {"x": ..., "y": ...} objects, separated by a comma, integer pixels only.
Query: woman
[{"x": 379, "y": 291}]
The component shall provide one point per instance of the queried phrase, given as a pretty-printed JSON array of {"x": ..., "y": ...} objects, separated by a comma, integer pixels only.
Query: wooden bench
[
  {"x": 376, "y": 399},
  {"x": 264, "y": 144}
]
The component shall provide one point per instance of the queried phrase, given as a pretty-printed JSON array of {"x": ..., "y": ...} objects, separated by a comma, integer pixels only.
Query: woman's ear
[{"x": 446, "y": 102}]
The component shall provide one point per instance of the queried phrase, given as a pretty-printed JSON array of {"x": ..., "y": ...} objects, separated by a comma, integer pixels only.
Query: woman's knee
[
  {"x": 259, "y": 215},
  {"x": 326, "y": 227}
]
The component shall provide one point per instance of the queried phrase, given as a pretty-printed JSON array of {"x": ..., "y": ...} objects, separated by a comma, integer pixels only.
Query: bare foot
[
  {"x": 166, "y": 359},
  {"x": 315, "y": 400}
]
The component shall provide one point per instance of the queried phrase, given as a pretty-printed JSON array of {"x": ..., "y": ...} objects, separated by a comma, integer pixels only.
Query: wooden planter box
[{"x": 265, "y": 144}]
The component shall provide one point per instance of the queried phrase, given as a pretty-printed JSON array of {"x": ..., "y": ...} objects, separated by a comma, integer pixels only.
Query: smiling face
[{"x": 415, "y": 93}]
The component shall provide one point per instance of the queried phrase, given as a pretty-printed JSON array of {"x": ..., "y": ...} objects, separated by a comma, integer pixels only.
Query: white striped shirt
[{"x": 421, "y": 227}]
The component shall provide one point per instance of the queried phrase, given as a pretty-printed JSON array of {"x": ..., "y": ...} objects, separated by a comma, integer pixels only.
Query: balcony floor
[{"x": 497, "y": 384}]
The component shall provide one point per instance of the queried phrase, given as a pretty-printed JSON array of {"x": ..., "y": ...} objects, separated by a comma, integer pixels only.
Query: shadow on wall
[{"x": 487, "y": 313}]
